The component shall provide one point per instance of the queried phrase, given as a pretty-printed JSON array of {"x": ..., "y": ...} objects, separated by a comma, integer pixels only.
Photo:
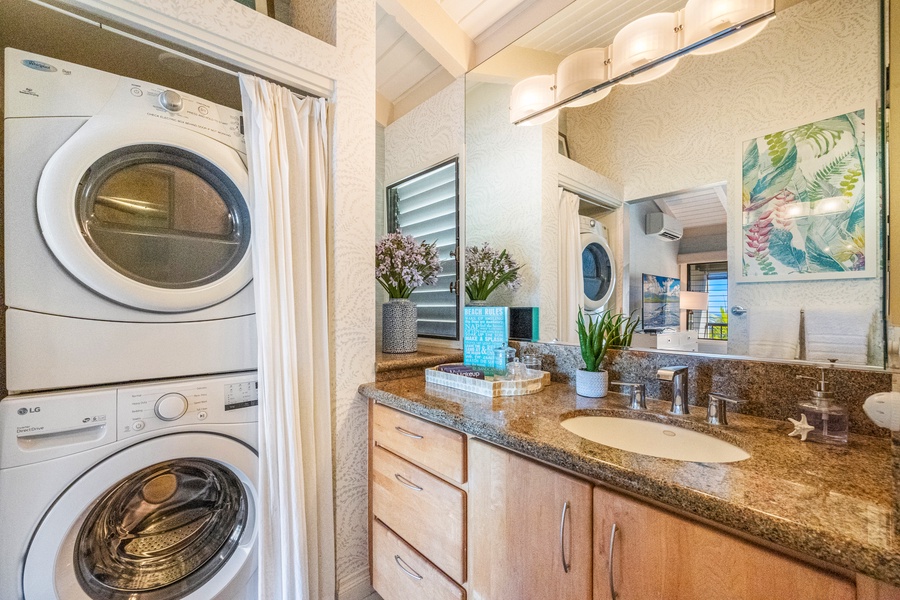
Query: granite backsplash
[{"x": 769, "y": 390}]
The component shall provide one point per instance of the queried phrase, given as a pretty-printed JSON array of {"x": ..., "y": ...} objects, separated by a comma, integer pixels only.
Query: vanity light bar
[{"x": 650, "y": 65}]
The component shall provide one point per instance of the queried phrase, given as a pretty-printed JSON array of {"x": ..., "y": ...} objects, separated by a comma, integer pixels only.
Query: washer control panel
[{"x": 228, "y": 399}]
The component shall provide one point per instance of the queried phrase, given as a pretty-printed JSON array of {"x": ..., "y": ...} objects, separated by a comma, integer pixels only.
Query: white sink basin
[{"x": 655, "y": 439}]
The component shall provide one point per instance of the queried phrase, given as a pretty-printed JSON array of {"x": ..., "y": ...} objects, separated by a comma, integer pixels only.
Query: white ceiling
[
  {"x": 476, "y": 16},
  {"x": 591, "y": 24},
  {"x": 401, "y": 64},
  {"x": 699, "y": 207}
]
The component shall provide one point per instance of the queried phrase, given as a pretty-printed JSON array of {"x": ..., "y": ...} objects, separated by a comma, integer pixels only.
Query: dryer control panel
[{"x": 215, "y": 400}]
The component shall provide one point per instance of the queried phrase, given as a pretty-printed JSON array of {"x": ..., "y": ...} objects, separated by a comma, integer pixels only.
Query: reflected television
[{"x": 660, "y": 303}]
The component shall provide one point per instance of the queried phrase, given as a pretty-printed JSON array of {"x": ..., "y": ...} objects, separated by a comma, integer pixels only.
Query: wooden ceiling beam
[{"x": 435, "y": 31}]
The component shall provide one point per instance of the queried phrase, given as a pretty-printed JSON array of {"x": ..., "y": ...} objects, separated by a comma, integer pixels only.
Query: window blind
[{"x": 426, "y": 206}]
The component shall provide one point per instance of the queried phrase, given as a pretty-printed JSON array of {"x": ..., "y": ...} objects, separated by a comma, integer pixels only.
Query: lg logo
[{"x": 25, "y": 411}]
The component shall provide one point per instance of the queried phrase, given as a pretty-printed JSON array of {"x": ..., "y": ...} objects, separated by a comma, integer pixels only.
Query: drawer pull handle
[
  {"x": 406, "y": 568},
  {"x": 612, "y": 550},
  {"x": 567, "y": 565},
  {"x": 404, "y": 481},
  {"x": 402, "y": 431}
]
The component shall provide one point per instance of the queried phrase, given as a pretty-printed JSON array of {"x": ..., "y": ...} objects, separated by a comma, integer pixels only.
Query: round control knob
[
  {"x": 171, "y": 101},
  {"x": 171, "y": 407}
]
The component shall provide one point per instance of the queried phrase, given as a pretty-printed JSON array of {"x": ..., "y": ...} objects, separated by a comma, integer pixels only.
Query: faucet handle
[
  {"x": 717, "y": 413},
  {"x": 669, "y": 373},
  {"x": 638, "y": 394}
]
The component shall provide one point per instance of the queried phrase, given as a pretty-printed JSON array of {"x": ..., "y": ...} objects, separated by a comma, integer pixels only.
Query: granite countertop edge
[
  {"x": 393, "y": 362},
  {"x": 879, "y": 563}
]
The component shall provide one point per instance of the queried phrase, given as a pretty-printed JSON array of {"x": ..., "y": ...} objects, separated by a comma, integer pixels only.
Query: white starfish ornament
[{"x": 801, "y": 428}]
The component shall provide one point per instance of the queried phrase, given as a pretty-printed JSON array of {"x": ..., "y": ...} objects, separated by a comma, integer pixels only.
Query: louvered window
[
  {"x": 426, "y": 206},
  {"x": 711, "y": 278}
]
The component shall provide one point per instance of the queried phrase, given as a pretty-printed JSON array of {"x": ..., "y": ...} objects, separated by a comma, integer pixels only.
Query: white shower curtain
[
  {"x": 570, "y": 292},
  {"x": 286, "y": 151}
]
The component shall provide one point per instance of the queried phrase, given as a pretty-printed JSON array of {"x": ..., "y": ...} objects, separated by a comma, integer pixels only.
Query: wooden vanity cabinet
[
  {"x": 454, "y": 518},
  {"x": 530, "y": 529},
  {"x": 418, "y": 505},
  {"x": 660, "y": 556}
]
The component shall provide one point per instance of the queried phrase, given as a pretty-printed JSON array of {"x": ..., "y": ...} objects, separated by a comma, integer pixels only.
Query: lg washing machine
[
  {"x": 598, "y": 265},
  {"x": 141, "y": 491},
  {"x": 127, "y": 230}
]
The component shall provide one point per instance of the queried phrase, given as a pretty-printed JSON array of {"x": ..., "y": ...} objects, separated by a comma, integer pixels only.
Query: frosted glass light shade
[
  {"x": 703, "y": 18},
  {"x": 531, "y": 95},
  {"x": 580, "y": 71},
  {"x": 642, "y": 41}
]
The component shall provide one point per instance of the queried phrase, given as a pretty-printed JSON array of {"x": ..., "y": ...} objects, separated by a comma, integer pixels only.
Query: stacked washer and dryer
[{"x": 127, "y": 259}]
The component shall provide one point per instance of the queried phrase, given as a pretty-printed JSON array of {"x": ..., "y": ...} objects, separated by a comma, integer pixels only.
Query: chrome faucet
[
  {"x": 717, "y": 414},
  {"x": 678, "y": 377},
  {"x": 638, "y": 400}
]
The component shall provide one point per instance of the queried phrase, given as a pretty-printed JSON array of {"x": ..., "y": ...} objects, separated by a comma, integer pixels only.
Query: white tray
[{"x": 485, "y": 387}]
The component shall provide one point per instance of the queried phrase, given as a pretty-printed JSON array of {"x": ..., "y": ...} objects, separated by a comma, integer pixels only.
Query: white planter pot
[{"x": 592, "y": 384}]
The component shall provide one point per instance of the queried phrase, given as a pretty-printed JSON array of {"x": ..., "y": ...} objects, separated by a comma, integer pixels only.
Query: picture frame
[
  {"x": 660, "y": 302},
  {"x": 808, "y": 200},
  {"x": 564, "y": 145}
]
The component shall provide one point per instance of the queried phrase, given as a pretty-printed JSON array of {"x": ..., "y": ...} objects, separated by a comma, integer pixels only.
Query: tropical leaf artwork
[{"x": 803, "y": 200}]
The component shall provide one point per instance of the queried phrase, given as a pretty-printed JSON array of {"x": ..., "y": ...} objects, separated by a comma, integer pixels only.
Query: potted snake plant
[{"x": 596, "y": 337}]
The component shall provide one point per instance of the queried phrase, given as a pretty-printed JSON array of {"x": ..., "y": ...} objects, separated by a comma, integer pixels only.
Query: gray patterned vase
[
  {"x": 398, "y": 326},
  {"x": 592, "y": 384}
]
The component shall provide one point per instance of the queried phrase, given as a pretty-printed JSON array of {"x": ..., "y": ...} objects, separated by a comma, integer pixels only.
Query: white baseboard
[{"x": 355, "y": 586}]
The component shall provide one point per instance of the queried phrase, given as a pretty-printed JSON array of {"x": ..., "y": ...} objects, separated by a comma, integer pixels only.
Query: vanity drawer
[
  {"x": 437, "y": 448},
  {"x": 401, "y": 573},
  {"x": 424, "y": 510}
]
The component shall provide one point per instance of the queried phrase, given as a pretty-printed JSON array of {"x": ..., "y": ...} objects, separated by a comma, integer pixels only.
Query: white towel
[
  {"x": 841, "y": 333},
  {"x": 774, "y": 332}
]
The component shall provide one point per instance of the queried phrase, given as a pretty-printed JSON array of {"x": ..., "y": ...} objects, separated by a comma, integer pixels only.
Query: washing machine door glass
[
  {"x": 163, "y": 216},
  {"x": 162, "y": 532},
  {"x": 598, "y": 272}
]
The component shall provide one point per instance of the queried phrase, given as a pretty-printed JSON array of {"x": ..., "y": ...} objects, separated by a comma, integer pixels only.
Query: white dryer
[
  {"x": 127, "y": 230},
  {"x": 598, "y": 265},
  {"x": 131, "y": 492}
]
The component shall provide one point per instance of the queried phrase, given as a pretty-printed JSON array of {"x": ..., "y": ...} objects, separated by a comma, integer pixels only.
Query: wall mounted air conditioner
[{"x": 664, "y": 226}]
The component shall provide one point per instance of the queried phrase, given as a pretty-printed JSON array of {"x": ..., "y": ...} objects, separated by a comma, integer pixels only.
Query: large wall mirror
[{"x": 735, "y": 203}]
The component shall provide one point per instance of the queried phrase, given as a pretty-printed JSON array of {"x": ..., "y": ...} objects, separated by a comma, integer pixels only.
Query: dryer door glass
[
  {"x": 163, "y": 216},
  {"x": 161, "y": 533},
  {"x": 597, "y": 270}
]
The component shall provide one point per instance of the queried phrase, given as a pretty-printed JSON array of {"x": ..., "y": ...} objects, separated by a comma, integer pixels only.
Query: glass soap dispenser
[{"x": 826, "y": 416}]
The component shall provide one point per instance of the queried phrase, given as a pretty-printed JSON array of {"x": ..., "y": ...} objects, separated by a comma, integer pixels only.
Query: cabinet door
[
  {"x": 529, "y": 528},
  {"x": 659, "y": 556}
]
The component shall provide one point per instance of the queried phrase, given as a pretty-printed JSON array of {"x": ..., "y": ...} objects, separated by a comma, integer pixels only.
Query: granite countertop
[
  {"x": 831, "y": 503},
  {"x": 410, "y": 364}
]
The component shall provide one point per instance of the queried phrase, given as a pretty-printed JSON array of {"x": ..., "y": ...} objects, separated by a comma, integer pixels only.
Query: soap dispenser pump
[{"x": 823, "y": 413}]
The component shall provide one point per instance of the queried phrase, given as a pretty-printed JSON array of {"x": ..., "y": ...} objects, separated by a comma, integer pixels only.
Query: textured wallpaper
[
  {"x": 684, "y": 129},
  {"x": 504, "y": 187},
  {"x": 427, "y": 135},
  {"x": 351, "y": 63}
]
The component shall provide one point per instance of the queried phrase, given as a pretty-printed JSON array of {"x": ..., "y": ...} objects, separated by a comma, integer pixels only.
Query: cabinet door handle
[
  {"x": 562, "y": 538},
  {"x": 406, "y": 568},
  {"x": 612, "y": 550},
  {"x": 402, "y": 431},
  {"x": 404, "y": 481}
]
